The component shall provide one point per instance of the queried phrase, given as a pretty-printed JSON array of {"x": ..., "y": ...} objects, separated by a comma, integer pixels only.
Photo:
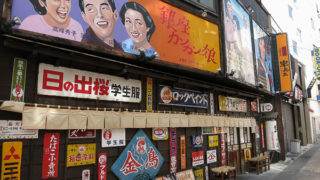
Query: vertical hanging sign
[
  {"x": 50, "y": 155},
  {"x": 317, "y": 61},
  {"x": 173, "y": 150},
  {"x": 183, "y": 151},
  {"x": 18, "y": 80},
  {"x": 149, "y": 94},
  {"x": 11, "y": 160},
  {"x": 262, "y": 136},
  {"x": 223, "y": 150},
  {"x": 211, "y": 103},
  {"x": 102, "y": 166}
]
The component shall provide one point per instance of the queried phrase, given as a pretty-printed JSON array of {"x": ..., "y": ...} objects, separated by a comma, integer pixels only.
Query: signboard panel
[
  {"x": 182, "y": 97},
  {"x": 263, "y": 58},
  {"x": 102, "y": 166},
  {"x": 247, "y": 154},
  {"x": 18, "y": 80},
  {"x": 81, "y": 133},
  {"x": 197, "y": 158},
  {"x": 317, "y": 61},
  {"x": 86, "y": 174},
  {"x": 139, "y": 158},
  {"x": 159, "y": 134},
  {"x": 81, "y": 154},
  {"x": 211, "y": 156},
  {"x": 238, "y": 42},
  {"x": 13, "y": 130},
  {"x": 67, "y": 82},
  {"x": 50, "y": 159},
  {"x": 11, "y": 160},
  {"x": 232, "y": 104},
  {"x": 183, "y": 175},
  {"x": 173, "y": 150},
  {"x": 197, "y": 141},
  {"x": 223, "y": 150},
  {"x": 272, "y": 136},
  {"x": 177, "y": 36},
  {"x": 198, "y": 174},
  {"x": 183, "y": 152},
  {"x": 149, "y": 94},
  {"x": 113, "y": 137}
]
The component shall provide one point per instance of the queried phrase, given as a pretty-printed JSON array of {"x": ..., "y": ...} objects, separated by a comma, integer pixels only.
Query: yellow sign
[
  {"x": 11, "y": 160},
  {"x": 198, "y": 174},
  {"x": 222, "y": 103},
  {"x": 213, "y": 141},
  {"x": 284, "y": 63},
  {"x": 81, "y": 154},
  {"x": 149, "y": 94},
  {"x": 247, "y": 154},
  {"x": 317, "y": 60}
]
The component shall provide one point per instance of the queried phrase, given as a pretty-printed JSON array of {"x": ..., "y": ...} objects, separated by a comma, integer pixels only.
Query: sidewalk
[{"x": 275, "y": 168}]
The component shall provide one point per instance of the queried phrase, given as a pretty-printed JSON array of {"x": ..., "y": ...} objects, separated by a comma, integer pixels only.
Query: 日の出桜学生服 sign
[
  {"x": 67, "y": 82},
  {"x": 139, "y": 158},
  {"x": 182, "y": 97},
  {"x": 113, "y": 137}
]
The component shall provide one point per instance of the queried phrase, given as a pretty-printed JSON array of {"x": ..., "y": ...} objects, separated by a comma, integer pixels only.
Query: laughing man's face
[
  {"x": 58, "y": 10},
  {"x": 99, "y": 15}
]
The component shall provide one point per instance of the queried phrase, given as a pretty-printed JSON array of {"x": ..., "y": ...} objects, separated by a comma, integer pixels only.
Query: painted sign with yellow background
[
  {"x": 247, "y": 154},
  {"x": 213, "y": 141},
  {"x": 149, "y": 94},
  {"x": 198, "y": 174},
  {"x": 183, "y": 38},
  {"x": 81, "y": 154},
  {"x": 11, "y": 160}
]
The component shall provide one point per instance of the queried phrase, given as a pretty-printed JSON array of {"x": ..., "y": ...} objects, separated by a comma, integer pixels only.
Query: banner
[
  {"x": 272, "y": 136},
  {"x": 140, "y": 159},
  {"x": 81, "y": 133},
  {"x": 113, "y": 137},
  {"x": 81, "y": 154},
  {"x": 238, "y": 42},
  {"x": 50, "y": 161},
  {"x": 18, "y": 80},
  {"x": 11, "y": 160},
  {"x": 282, "y": 63},
  {"x": 197, "y": 158},
  {"x": 183, "y": 152},
  {"x": 262, "y": 135},
  {"x": 182, "y": 97},
  {"x": 173, "y": 150},
  {"x": 13, "y": 130},
  {"x": 102, "y": 166},
  {"x": 262, "y": 44},
  {"x": 149, "y": 94},
  {"x": 177, "y": 36},
  {"x": 223, "y": 150},
  {"x": 67, "y": 82},
  {"x": 159, "y": 134},
  {"x": 317, "y": 60}
]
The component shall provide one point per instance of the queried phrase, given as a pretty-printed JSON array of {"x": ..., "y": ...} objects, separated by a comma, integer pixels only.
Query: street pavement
[{"x": 303, "y": 166}]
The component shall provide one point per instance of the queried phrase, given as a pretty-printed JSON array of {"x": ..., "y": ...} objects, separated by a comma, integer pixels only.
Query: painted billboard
[
  {"x": 238, "y": 42},
  {"x": 262, "y": 44},
  {"x": 317, "y": 60},
  {"x": 141, "y": 25}
]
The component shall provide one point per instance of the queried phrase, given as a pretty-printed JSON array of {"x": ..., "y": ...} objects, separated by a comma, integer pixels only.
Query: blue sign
[
  {"x": 182, "y": 97},
  {"x": 139, "y": 158},
  {"x": 197, "y": 141}
]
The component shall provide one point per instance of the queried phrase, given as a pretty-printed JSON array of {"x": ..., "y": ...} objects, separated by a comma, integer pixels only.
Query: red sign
[
  {"x": 223, "y": 150},
  {"x": 183, "y": 151},
  {"x": 81, "y": 133},
  {"x": 102, "y": 166},
  {"x": 253, "y": 106},
  {"x": 262, "y": 136},
  {"x": 50, "y": 155},
  {"x": 197, "y": 158},
  {"x": 173, "y": 150}
]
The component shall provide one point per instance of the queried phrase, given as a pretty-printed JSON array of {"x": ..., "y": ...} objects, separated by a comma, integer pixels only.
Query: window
[
  {"x": 294, "y": 45},
  {"x": 299, "y": 34},
  {"x": 290, "y": 12},
  {"x": 312, "y": 24},
  {"x": 210, "y": 4}
]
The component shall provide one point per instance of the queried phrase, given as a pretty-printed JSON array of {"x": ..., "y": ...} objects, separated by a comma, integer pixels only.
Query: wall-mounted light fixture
[
  {"x": 204, "y": 13},
  {"x": 250, "y": 10},
  {"x": 231, "y": 73},
  {"x": 260, "y": 85},
  {"x": 7, "y": 25},
  {"x": 143, "y": 56}
]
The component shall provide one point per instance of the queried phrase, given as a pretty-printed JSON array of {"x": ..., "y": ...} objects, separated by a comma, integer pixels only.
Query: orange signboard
[
  {"x": 284, "y": 62},
  {"x": 11, "y": 160}
]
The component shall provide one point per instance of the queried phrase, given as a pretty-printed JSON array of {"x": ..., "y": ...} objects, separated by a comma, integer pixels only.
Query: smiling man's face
[
  {"x": 57, "y": 10},
  {"x": 100, "y": 17}
]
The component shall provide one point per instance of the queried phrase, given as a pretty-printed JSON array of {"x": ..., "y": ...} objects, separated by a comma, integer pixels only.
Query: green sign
[{"x": 18, "y": 79}]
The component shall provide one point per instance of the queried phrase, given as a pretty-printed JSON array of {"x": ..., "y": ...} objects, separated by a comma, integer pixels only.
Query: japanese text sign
[
  {"x": 317, "y": 61},
  {"x": 197, "y": 158},
  {"x": 86, "y": 174},
  {"x": 223, "y": 150},
  {"x": 198, "y": 174},
  {"x": 183, "y": 175},
  {"x": 81, "y": 154},
  {"x": 183, "y": 152},
  {"x": 178, "y": 36},
  {"x": 232, "y": 104},
  {"x": 211, "y": 156},
  {"x": 13, "y": 130},
  {"x": 262, "y": 135},
  {"x": 11, "y": 160},
  {"x": 66, "y": 82},
  {"x": 18, "y": 80},
  {"x": 173, "y": 150},
  {"x": 284, "y": 65},
  {"x": 81, "y": 133},
  {"x": 213, "y": 140},
  {"x": 197, "y": 141},
  {"x": 149, "y": 94},
  {"x": 139, "y": 157},
  {"x": 102, "y": 166},
  {"x": 113, "y": 137},
  {"x": 50, "y": 155},
  {"x": 182, "y": 97},
  {"x": 159, "y": 134}
]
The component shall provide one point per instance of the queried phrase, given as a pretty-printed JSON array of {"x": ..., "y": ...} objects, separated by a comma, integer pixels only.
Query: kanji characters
[
  {"x": 153, "y": 159},
  {"x": 130, "y": 164}
]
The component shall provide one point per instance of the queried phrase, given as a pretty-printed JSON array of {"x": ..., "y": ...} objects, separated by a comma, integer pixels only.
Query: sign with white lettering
[
  {"x": 67, "y": 82},
  {"x": 197, "y": 158}
]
